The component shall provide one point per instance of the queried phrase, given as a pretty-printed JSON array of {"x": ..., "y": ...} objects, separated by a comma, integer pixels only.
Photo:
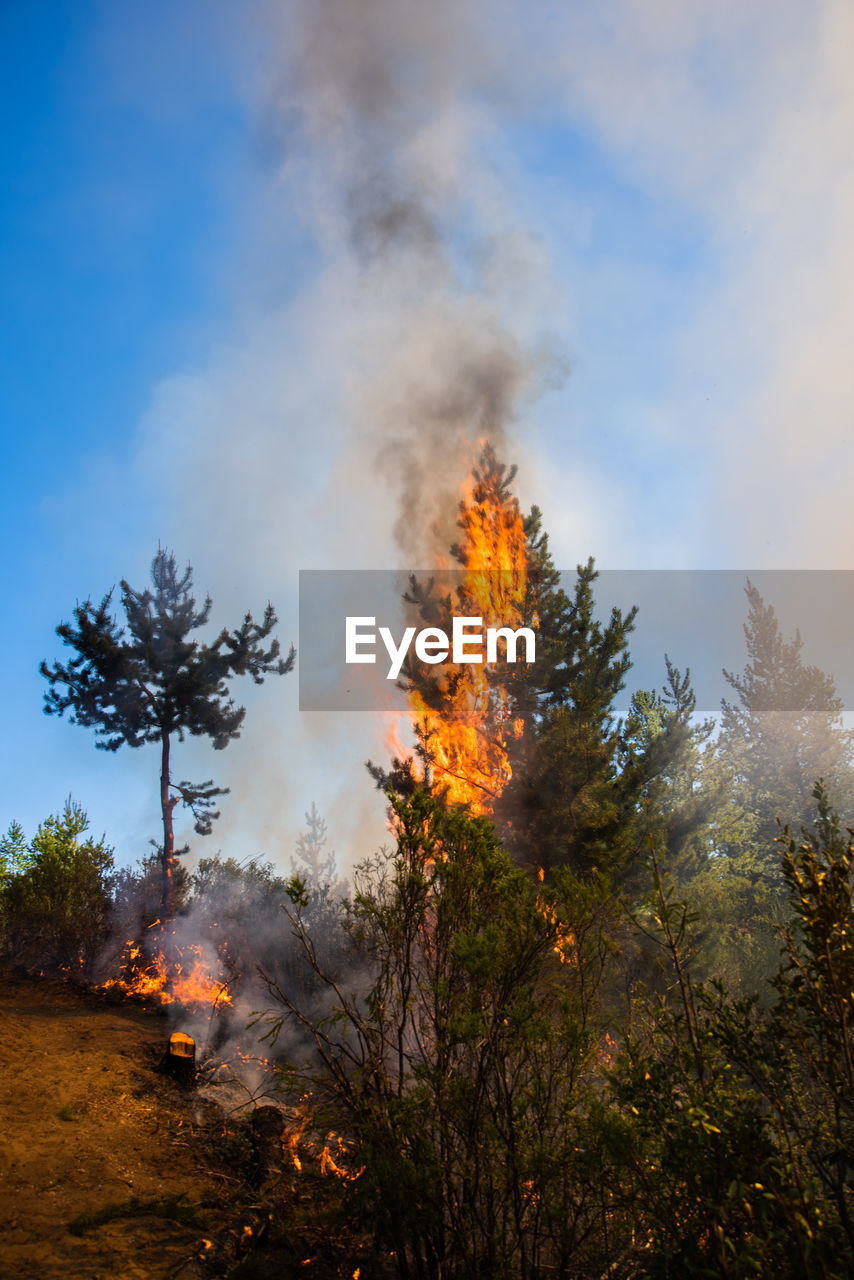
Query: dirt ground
[{"x": 87, "y": 1123}]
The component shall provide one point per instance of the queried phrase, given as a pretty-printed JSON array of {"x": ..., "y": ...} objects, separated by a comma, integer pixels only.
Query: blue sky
[{"x": 646, "y": 205}]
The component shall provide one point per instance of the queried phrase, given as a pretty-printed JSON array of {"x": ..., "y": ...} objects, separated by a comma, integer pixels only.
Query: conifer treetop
[{"x": 135, "y": 684}]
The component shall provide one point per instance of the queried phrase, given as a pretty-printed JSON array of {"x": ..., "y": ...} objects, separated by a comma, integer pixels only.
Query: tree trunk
[{"x": 167, "y": 853}]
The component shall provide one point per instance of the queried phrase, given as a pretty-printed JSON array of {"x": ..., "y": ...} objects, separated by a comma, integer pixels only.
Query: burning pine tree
[
  {"x": 465, "y": 715},
  {"x": 539, "y": 748}
]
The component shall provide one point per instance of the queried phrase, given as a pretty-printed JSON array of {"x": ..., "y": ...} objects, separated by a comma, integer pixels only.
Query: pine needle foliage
[{"x": 149, "y": 681}]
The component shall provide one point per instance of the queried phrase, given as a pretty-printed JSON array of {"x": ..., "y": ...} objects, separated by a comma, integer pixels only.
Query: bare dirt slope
[{"x": 87, "y": 1123}]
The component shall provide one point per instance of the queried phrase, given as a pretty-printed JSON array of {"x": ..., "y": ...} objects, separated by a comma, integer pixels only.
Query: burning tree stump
[{"x": 179, "y": 1061}]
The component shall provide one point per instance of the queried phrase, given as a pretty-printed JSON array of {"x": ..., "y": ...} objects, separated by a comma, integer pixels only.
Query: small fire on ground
[{"x": 169, "y": 973}]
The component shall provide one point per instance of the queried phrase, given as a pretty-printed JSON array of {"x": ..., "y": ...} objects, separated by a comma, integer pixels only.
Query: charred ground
[{"x": 111, "y": 1169}]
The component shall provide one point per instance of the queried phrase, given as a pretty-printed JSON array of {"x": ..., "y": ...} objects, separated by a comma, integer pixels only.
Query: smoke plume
[{"x": 388, "y": 110}]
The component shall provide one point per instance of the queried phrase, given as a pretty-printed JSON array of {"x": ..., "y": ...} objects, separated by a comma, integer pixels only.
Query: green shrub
[
  {"x": 738, "y": 1113},
  {"x": 463, "y": 1066},
  {"x": 55, "y": 909}
]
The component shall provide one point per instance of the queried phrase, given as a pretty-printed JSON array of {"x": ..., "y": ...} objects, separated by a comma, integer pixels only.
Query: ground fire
[{"x": 168, "y": 973}]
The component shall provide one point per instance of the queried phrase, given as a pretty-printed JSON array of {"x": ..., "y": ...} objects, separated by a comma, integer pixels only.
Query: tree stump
[{"x": 180, "y": 1058}]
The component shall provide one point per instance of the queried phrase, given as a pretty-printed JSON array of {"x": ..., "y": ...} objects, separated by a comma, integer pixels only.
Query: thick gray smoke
[
  {"x": 379, "y": 88},
  {"x": 387, "y": 103},
  {"x": 337, "y": 429}
]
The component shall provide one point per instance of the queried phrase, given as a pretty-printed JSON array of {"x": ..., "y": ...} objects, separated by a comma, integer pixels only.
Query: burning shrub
[
  {"x": 463, "y": 1066},
  {"x": 55, "y": 910},
  {"x": 229, "y": 925}
]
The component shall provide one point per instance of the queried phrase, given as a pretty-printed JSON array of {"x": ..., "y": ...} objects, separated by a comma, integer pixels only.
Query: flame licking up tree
[
  {"x": 468, "y": 721},
  {"x": 464, "y": 718}
]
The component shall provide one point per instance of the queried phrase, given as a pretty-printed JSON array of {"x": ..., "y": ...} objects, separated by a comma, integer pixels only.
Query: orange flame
[
  {"x": 171, "y": 974},
  {"x": 331, "y": 1157},
  {"x": 469, "y": 737},
  {"x": 564, "y": 938}
]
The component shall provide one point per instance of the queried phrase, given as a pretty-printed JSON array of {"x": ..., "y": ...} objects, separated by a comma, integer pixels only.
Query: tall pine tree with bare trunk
[{"x": 150, "y": 682}]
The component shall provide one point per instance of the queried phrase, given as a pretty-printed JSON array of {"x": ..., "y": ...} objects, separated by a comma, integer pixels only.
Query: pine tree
[
  {"x": 314, "y": 864},
  {"x": 669, "y": 756},
  {"x": 15, "y": 853},
  {"x": 535, "y": 747},
  {"x": 782, "y": 734},
  {"x": 539, "y": 747},
  {"x": 56, "y": 906},
  {"x": 570, "y": 804},
  {"x": 153, "y": 683}
]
